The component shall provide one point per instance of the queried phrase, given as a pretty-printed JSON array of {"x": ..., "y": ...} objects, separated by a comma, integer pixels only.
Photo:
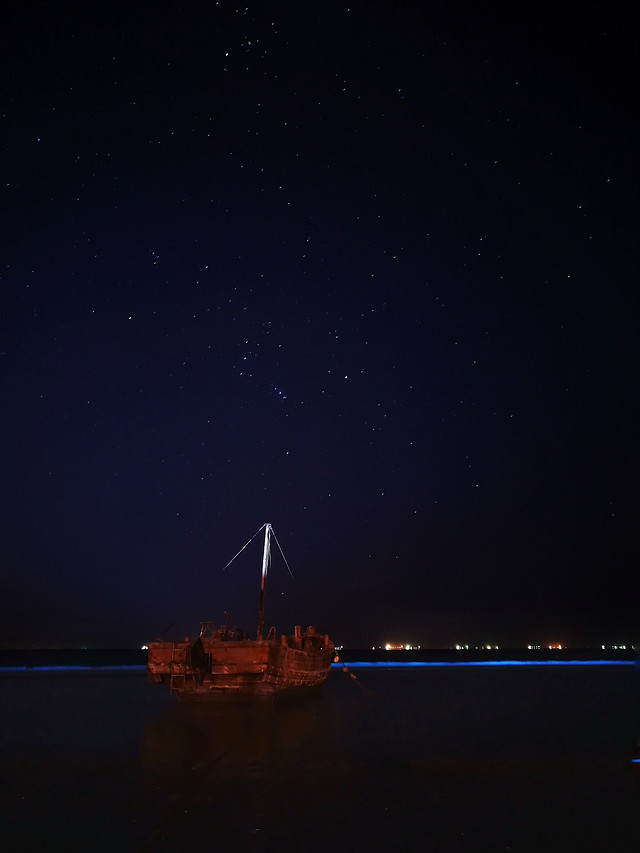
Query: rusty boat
[{"x": 224, "y": 663}]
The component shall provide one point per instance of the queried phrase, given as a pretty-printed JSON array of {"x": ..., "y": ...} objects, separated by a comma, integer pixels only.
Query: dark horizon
[{"x": 99, "y": 657}]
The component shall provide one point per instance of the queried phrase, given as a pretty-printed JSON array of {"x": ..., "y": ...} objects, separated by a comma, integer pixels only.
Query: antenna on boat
[{"x": 266, "y": 558}]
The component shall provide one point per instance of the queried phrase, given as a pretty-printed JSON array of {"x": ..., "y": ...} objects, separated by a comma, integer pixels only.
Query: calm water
[{"x": 454, "y": 759}]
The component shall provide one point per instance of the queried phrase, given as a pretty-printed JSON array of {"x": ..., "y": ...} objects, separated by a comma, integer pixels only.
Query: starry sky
[{"x": 368, "y": 272}]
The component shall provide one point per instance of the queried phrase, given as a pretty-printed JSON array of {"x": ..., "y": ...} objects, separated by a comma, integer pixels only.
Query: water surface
[{"x": 460, "y": 759}]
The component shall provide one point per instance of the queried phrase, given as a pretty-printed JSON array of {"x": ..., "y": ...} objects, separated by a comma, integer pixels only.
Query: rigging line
[
  {"x": 243, "y": 547},
  {"x": 282, "y": 552}
]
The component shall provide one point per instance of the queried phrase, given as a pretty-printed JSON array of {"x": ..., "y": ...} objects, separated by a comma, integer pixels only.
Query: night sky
[{"x": 368, "y": 272}]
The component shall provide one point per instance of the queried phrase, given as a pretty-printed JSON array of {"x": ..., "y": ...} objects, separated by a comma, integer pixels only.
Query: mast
[{"x": 266, "y": 556}]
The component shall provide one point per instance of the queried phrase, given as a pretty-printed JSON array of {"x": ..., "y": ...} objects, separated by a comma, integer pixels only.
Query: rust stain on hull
[{"x": 212, "y": 669}]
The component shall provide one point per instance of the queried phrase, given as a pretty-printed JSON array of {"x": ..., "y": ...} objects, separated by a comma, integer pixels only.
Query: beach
[{"x": 453, "y": 758}]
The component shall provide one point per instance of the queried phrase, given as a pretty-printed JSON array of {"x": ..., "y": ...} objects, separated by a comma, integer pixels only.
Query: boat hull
[{"x": 211, "y": 669}]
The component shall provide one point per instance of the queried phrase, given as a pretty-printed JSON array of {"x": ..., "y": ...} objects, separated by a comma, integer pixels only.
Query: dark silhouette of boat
[{"x": 223, "y": 663}]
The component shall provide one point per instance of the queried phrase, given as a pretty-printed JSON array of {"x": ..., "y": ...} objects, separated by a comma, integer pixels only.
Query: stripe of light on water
[
  {"x": 80, "y": 668},
  {"x": 384, "y": 664},
  {"x": 351, "y": 664}
]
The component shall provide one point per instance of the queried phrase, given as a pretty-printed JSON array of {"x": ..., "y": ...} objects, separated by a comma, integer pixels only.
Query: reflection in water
[
  {"x": 440, "y": 759},
  {"x": 244, "y": 773},
  {"x": 437, "y": 759},
  {"x": 250, "y": 737}
]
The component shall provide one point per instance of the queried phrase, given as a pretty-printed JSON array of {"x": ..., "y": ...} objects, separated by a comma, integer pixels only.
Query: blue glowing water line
[
  {"x": 76, "y": 668},
  {"x": 350, "y": 664},
  {"x": 411, "y": 664}
]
